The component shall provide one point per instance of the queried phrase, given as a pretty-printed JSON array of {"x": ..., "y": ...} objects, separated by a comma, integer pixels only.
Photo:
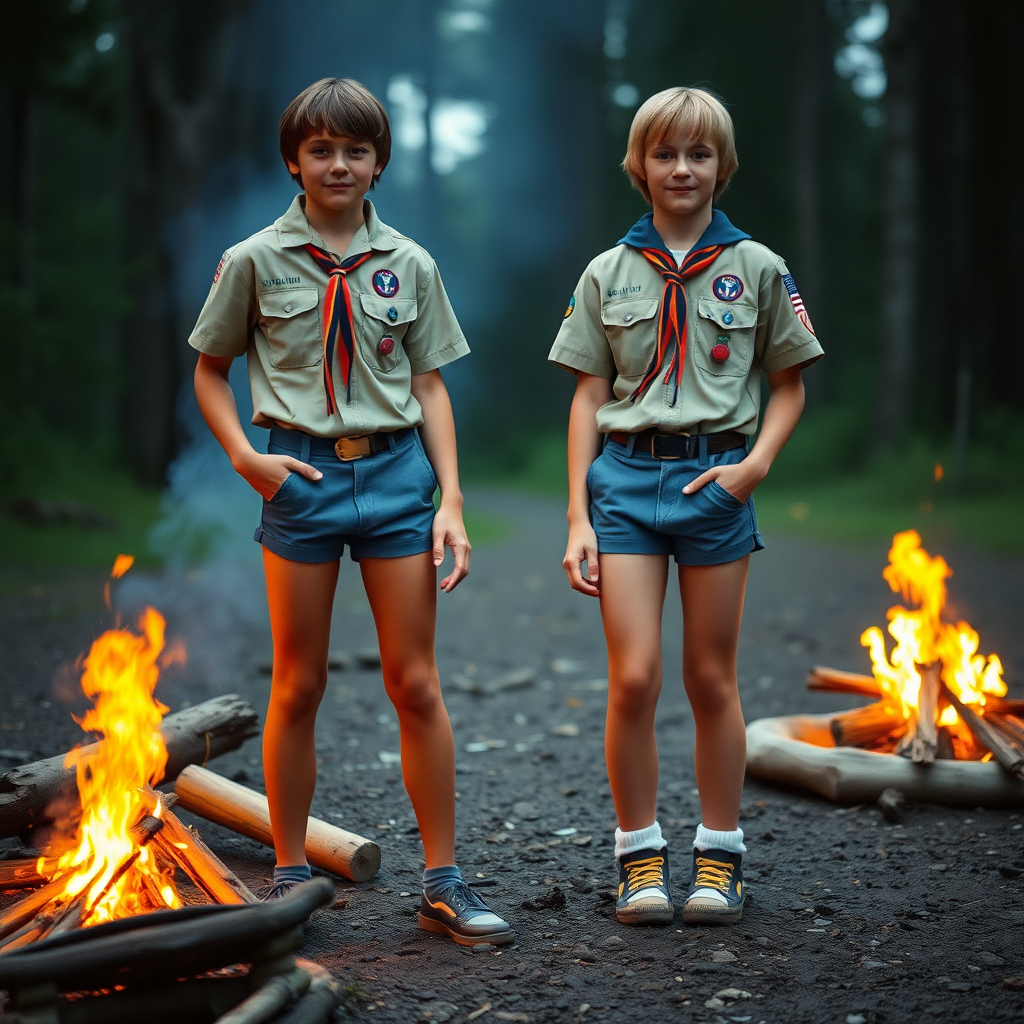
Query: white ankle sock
[
  {"x": 649, "y": 838},
  {"x": 709, "y": 839}
]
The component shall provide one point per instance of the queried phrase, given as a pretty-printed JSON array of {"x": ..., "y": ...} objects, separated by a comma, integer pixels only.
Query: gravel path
[{"x": 849, "y": 918}]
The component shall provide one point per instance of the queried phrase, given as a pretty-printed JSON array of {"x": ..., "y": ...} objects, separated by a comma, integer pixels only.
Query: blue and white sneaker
[
  {"x": 645, "y": 895},
  {"x": 716, "y": 894},
  {"x": 459, "y": 912}
]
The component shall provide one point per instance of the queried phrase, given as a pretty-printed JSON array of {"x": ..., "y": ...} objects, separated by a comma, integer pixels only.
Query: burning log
[
  {"x": 192, "y": 736},
  {"x": 863, "y": 726},
  {"x": 1008, "y": 753},
  {"x": 921, "y": 744},
  {"x": 227, "y": 803},
  {"x": 832, "y": 680},
  {"x": 20, "y": 874},
  {"x": 796, "y": 751},
  {"x": 183, "y": 847}
]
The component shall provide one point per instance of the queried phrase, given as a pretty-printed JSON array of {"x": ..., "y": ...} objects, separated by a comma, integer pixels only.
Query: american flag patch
[
  {"x": 220, "y": 267},
  {"x": 798, "y": 303}
]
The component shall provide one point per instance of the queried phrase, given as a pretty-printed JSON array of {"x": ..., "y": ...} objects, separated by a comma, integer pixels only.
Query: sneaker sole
[
  {"x": 428, "y": 924},
  {"x": 712, "y": 915},
  {"x": 645, "y": 915}
]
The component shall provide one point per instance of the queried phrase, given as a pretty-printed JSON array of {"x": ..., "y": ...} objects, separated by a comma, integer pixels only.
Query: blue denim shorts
[
  {"x": 637, "y": 507},
  {"x": 381, "y": 505}
]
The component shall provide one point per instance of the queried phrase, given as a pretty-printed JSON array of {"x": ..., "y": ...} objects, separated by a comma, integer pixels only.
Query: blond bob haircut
[
  {"x": 335, "y": 106},
  {"x": 693, "y": 113}
]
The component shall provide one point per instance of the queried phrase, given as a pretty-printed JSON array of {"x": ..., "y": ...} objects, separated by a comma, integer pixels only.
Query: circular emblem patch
[
  {"x": 386, "y": 346},
  {"x": 727, "y": 287},
  {"x": 569, "y": 308},
  {"x": 805, "y": 320},
  {"x": 385, "y": 283}
]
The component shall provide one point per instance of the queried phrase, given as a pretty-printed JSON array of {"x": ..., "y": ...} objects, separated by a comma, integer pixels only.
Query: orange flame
[
  {"x": 923, "y": 637},
  {"x": 121, "y": 672}
]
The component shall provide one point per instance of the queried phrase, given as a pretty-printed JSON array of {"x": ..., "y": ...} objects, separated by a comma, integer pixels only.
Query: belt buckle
[
  {"x": 668, "y": 458},
  {"x": 348, "y": 449}
]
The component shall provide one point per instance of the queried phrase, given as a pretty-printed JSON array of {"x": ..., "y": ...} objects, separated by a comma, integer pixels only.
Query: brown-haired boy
[
  {"x": 345, "y": 324},
  {"x": 668, "y": 334}
]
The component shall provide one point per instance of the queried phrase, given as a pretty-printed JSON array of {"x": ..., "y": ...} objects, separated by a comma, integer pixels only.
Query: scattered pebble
[
  {"x": 722, "y": 956},
  {"x": 368, "y": 657},
  {"x": 570, "y": 831},
  {"x": 569, "y": 729},
  {"x": 856, "y": 1018},
  {"x": 892, "y": 803}
]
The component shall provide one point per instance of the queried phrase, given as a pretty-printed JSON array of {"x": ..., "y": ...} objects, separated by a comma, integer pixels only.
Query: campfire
[
  {"x": 938, "y": 696},
  {"x": 117, "y": 852},
  {"x": 939, "y": 704}
]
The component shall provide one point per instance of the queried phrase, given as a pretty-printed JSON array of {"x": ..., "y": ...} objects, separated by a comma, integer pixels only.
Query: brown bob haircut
[
  {"x": 335, "y": 106},
  {"x": 693, "y": 113}
]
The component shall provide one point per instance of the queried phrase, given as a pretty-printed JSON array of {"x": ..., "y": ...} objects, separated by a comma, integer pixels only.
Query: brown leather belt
[
  {"x": 678, "y": 446},
  {"x": 350, "y": 448}
]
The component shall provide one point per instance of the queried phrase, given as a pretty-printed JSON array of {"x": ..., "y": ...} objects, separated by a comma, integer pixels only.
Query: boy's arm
[
  {"x": 584, "y": 446},
  {"x": 265, "y": 473},
  {"x": 780, "y": 419},
  {"x": 438, "y": 434}
]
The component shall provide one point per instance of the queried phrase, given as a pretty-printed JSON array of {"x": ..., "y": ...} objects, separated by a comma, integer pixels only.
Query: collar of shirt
[
  {"x": 294, "y": 230},
  {"x": 644, "y": 235}
]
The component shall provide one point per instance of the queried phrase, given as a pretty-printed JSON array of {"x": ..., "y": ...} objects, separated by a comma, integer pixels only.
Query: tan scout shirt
[
  {"x": 267, "y": 301},
  {"x": 610, "y": 330}
]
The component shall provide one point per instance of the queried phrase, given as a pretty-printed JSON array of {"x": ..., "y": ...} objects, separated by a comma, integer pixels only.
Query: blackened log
[{"x": 37, "y": 793}]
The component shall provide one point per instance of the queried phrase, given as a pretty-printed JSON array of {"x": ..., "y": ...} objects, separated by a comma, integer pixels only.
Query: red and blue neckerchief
[
  {"x": 337, "y": 318},
  {"x": 672, "y": 320}
]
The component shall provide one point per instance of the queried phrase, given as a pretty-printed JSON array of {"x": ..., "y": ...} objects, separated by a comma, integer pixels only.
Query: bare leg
[
  {"x": 300, "y": 595},
  {"x": 712, "y": 598},
  {"x": 403, "y": 595},
  {"x": 632, "y": 597}
]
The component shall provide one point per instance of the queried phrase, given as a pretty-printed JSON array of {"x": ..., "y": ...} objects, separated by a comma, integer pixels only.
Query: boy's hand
[
  {"x": 449, "y": 530},
  {"x": 582, "y": 547},
  {"x": 739, "y": 480},
  {"x": 266, "y": 473}
]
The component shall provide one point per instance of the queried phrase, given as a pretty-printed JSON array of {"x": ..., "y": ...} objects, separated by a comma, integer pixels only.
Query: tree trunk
[{"x": 899, "y": 229}]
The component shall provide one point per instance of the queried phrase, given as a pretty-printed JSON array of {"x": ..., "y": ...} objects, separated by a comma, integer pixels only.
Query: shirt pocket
[
  {"x": 382, "y": 327},
  {"x": 631, "y": 328},
  {"x": 730, "y": 325},
  {"x": 291, "y": 323}
]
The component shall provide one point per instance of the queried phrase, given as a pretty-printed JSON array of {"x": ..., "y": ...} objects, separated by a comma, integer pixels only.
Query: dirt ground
[{"x": 849, "y": 918}]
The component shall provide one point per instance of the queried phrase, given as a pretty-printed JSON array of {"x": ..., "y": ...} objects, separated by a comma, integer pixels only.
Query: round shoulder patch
[
  {"x": 727, "y": 287},
  {"x": 569, "y": 308},
  {"x": 385, "y": 282}
]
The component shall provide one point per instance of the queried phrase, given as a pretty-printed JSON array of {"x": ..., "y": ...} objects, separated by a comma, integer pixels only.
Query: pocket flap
[
  {"x": 289, "y": 303},
  {"x": 625, "y": 312},
  {"x": 730, "y": 316},
  {"x": 389, "y": 311}
]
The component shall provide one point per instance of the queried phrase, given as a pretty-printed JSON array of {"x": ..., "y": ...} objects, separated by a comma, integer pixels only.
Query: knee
[
  {"x": 296, "y": 693},
  {"x": 414, "y": 690},
  {"x": 633, "y": 690},
  {"x": 711, "y": 688}
]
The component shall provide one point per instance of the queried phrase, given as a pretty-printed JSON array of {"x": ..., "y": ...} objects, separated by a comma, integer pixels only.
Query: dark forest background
[{"x": 881, "y": 153}]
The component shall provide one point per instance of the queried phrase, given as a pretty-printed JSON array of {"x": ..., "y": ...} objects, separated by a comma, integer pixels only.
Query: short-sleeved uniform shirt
[
  {"x": 746, "y": 300},
  {"x": 267, "y": 301}
]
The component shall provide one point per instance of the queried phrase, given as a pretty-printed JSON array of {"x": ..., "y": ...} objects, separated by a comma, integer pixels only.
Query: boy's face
[
  {"x": 681, "y": 174},
  {"x": 336, "y": 171}
]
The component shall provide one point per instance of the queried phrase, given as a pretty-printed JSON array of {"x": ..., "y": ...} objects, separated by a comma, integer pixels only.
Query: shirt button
[
  {"x": 288, "y": 308},
  {"x": 628, "y": 317},
  {"x": 392, "y": 313},
  {"x": 727, "y": 318}
]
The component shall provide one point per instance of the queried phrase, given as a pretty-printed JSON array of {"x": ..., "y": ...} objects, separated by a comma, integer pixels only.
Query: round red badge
[
  {"x": 386, "y": 346},
  {"x": 720, "y": 353}
]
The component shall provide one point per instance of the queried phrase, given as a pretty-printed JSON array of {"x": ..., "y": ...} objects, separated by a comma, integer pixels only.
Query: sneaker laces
[
  {"x": 460, "y": 898},
  {"x": 714, "y": 874},
  {"x": 643, "y": 874}
]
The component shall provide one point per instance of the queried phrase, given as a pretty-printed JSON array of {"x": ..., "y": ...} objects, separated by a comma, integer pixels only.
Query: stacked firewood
[{"x": 995, "y": 731}]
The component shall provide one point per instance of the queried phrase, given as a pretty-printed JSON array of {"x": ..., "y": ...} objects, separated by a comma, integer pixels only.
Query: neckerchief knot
[{"x": 338, "y": 324}]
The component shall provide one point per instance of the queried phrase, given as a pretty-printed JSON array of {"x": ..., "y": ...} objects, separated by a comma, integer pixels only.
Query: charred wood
[
  {"x": 192, "y": 736},
  {"x": 1004, "y": 750}
]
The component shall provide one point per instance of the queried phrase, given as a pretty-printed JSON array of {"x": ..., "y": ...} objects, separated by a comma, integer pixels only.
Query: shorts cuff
[
  {"x": 389, "y": 549},
  {"x": 299, "y": 553},
  {"x": 722, "y": 555},
  {"x": 623, "y": 547}
]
